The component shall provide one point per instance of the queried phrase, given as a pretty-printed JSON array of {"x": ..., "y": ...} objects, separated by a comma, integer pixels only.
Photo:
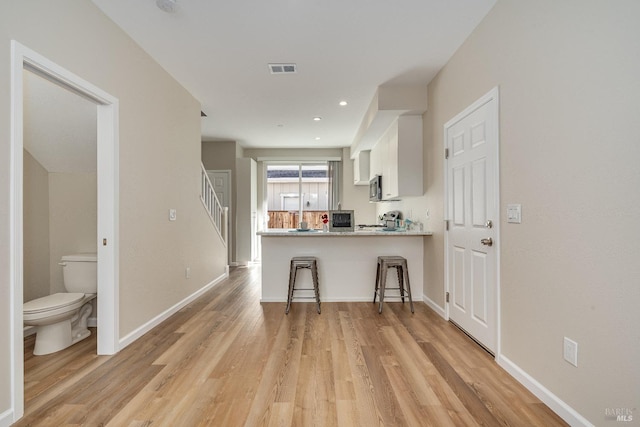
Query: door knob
[{"x": 487, "y": 242}]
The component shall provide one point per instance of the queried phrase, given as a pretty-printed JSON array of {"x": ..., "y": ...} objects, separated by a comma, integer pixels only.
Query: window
[{"x": 298, "y": 192}]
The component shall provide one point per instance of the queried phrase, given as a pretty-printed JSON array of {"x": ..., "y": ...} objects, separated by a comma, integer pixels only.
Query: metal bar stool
[
  {"x": 299, "y": 262},
  {"x": 400, "y": 264}
]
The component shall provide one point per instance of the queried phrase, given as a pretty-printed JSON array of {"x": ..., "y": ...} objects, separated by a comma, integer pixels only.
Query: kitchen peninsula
[{"x": 347, "y": 261}]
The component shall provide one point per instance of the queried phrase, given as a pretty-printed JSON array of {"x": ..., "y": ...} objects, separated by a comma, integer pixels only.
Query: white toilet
[{"x": 61, "y": 319}]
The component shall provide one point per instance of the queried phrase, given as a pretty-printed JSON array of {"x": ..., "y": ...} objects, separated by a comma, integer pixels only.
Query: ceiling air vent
[{"x": 283, "y": 68}]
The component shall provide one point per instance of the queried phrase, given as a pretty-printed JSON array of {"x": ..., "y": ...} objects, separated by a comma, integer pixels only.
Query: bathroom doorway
[
  {"x": 60, "y": 184},
  {"x": 105, "y": 109}
]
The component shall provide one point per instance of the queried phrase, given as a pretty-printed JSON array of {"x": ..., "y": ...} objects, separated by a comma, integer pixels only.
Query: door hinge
[
  {"x": 446, "y": 153},
  {"x": 447, "y": 297},
  {"x": 446, "y": 225}
]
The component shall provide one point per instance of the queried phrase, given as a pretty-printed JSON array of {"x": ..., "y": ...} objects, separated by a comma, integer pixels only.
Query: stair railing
[{"x": 217, "y": 213}]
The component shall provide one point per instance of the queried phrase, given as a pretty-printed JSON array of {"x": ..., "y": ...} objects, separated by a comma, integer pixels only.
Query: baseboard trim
[
  {"x": 557, "y": 405},
  {"x": 133, "y": 336},
  {"x": 434, "y": 306},
  {"x": 6, "y": 418}
]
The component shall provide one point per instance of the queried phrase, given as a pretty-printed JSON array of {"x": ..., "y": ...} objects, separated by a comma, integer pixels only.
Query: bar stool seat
[
  {"x": 400, "y": 264},
  {"x": 297, "y": 263}
]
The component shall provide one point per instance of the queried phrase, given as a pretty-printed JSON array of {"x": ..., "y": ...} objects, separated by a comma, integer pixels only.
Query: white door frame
[
  {"x": 107, "y": 176},
  {"x": 492, "y": 95}
]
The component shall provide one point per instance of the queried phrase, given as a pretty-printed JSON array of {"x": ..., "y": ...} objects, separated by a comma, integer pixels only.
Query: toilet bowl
[{"x": 61, "y": 319}]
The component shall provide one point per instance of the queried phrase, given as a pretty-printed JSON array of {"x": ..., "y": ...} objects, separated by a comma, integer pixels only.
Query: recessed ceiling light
[
  {"x": 317, "y": 138},
  {"x": 317, "y": 119},
  {"x": 343, "y": 103}
]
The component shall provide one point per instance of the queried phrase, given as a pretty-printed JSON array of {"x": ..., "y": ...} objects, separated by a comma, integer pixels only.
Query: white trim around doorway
[
  {"x": 107, "y": 172},
  {"x": 493, "y": 97}
]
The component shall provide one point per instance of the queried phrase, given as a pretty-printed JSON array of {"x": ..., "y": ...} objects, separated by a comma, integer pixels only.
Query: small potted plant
[{"x": 325, "y": 221}]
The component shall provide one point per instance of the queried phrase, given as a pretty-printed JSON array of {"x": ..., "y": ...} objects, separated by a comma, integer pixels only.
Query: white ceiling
[{"x": 344, "y": 50}]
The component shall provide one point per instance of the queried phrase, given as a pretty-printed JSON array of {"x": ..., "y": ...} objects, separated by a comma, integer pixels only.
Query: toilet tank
[{"x": 80, "y": 273}]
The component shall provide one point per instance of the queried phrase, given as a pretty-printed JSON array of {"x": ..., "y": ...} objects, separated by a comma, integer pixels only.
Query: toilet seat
[{"x": 52, "y": 302}]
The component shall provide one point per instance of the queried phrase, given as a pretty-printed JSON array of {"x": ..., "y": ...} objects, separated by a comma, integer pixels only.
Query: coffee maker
[{"x": 390, "y": 219}]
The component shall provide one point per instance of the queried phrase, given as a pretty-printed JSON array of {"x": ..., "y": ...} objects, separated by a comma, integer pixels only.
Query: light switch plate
[
  {"x": 172, "y": 215},
  {"x": 570, "y": 351},
  {"x": 514, "y": 213}
]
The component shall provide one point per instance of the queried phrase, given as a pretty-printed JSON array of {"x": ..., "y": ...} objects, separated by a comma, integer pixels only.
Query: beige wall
[
  {"x": 36, "y": 229},
  {"x": 219, "y": 155},
  {"x": 73, "y": 218},
  {"x": 60, "y": 218},
  {"x": 569, "y": 83},
  {"x": 159, "y": 161}
]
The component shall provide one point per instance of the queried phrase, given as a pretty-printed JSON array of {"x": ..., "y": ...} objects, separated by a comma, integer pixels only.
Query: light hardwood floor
[{"x": 227, "y": 360}]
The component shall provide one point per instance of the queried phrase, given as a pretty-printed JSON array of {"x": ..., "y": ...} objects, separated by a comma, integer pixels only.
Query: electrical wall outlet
[
  {"x": 187, "y": 272},
  {"x": 570, "y": 351}
]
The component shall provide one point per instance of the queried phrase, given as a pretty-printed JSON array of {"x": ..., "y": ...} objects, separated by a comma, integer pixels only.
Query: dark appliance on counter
[
  {"x": 375, "y": 189},
  {"x": 341, "y": 220}
]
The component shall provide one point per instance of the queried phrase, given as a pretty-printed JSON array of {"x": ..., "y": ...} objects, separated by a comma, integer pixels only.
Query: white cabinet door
[
  {"x": 401, "y": 146},
  {"x": 390, "y": 174},
  {"x": 375, "y": 160},
  {"x": 409, "y": 156},
  {"x": 361, "y": 168}
]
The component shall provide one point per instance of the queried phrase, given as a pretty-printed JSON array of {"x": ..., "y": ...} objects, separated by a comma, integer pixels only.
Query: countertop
[{"x": 283, "y": 232}]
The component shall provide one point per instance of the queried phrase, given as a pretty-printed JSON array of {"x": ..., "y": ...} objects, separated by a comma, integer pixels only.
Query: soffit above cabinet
[{"x": 389, "y": 103}]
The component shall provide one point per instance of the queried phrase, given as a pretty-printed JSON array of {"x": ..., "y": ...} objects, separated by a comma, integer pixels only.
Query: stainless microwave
[{"x": 375, "y": 189}]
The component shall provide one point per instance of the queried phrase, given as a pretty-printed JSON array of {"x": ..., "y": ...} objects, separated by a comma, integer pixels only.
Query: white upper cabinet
[
  {"x": 361, "y": 168},
  {"x": 375, "y": 161},
  {"x": 392, "y": 129},
  {"x": 398, "y": 158}
]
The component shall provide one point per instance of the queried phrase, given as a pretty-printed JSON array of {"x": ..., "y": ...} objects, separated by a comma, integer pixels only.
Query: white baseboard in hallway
[
  {"x": 6, "y": 418},
  {"x": 434, "y": 306},
  {"x": 131, "y": 337},
  {"x": 566, "y": 412}
]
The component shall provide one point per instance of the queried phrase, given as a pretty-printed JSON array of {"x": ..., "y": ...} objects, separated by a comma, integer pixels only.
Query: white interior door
[{"x": 471, "y": 139}]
